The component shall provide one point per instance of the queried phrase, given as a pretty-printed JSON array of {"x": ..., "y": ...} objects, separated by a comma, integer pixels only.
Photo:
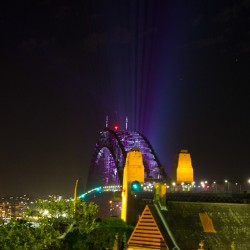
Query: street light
[
  {"x": 173, "y": 186},
  {"x": 226, "y": 181},
  {"x": 215, "y": 186}
]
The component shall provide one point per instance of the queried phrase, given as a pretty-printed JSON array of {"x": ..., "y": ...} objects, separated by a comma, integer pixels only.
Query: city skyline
[{"x": 178, "y": 71}]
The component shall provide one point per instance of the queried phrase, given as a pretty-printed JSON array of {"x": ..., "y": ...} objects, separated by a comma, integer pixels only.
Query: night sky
[{"x": 179, "y": 70}]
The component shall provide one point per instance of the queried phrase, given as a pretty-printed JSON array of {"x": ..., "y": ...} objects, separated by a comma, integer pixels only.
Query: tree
[
  {"x": 102, "y": 237},
  {"x": 60, "y": 224},
  {"x": 47, "y": 226},
  {"x": 108, "y": 230},
  {"x": 18, "y": 235}
]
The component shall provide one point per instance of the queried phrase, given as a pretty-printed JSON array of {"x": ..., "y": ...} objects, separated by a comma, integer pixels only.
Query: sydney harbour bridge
[
  {"x": 106, "y": 175},
  {"x": 110, "y": 153}
]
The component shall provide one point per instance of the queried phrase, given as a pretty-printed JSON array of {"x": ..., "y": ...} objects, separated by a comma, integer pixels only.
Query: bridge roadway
[
  {"x": 212, "y": 197},
  {"x": 189, "y": 196}
]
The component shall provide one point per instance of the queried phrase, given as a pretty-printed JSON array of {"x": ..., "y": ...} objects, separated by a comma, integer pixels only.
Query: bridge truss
[{"x": 109, "y": 158}]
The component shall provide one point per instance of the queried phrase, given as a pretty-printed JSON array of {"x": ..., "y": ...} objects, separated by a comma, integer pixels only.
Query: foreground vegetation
[{"x": 60, "y": 224}]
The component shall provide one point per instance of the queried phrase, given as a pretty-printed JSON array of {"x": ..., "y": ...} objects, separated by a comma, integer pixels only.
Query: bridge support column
[{"x": 133, "y": 179}]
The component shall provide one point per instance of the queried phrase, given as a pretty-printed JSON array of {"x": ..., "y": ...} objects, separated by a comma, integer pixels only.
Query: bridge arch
[{"x": 109, "y": 157}]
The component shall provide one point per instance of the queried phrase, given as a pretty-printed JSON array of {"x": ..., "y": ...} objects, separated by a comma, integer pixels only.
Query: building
[
  {"x": 14, "y": 206},
  {"x": 190, "y": 225}
]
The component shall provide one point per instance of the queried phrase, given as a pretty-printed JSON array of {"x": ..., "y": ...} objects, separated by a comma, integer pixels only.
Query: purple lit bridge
[{"x": 109, "y": 158}]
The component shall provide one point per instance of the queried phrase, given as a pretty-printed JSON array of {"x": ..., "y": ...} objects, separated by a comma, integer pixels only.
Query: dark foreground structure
[{"x": 185, "y": 225}]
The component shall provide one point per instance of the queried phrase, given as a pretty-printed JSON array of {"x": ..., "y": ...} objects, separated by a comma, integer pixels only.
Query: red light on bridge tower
[{"x": 116, "y": 127}]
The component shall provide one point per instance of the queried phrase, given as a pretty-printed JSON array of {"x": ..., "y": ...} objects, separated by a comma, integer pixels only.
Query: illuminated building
[
  {"x": 14, "y": 207},
  {"x": 184, "y": 169}
]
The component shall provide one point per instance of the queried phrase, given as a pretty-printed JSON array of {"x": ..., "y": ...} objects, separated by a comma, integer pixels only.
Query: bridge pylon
[{"x": 133, "y": 180}]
